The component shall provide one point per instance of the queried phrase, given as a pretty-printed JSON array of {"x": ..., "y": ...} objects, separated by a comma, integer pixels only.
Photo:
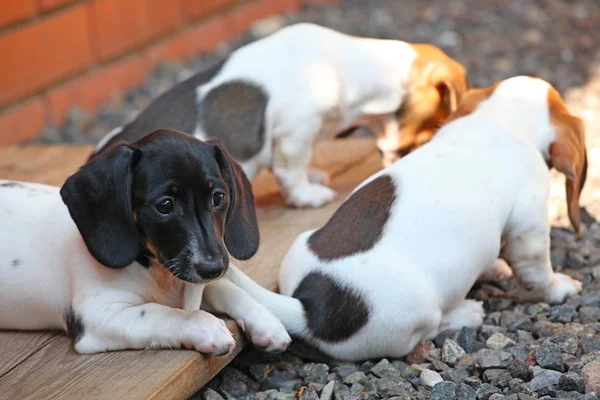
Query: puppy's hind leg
[
  {"x": 497, "y": 271},
  {"x": 292, "y": 153},
  {"x": 528, "y": 250}
]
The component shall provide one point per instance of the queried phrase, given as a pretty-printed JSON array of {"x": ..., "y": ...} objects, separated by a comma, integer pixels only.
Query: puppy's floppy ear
[
  {"x": 98, "y": 197},
  {"x": 448, "y": 95},
  {"x": 241, "y": 227}
]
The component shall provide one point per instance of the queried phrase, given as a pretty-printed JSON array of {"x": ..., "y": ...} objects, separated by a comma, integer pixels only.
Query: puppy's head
[
  {"x": 538, "y": 109},
  {"x": 170, "y": 197},
  {"x": 435, "y": 87}
]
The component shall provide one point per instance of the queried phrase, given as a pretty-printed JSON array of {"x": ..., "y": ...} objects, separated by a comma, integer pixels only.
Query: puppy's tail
[{"x": 288, "y": 309}]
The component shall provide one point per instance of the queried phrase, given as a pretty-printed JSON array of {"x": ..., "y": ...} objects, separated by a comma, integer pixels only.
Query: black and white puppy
[
  {"x": 142, "y": 222},
  {"x": 271, "y": 99}
]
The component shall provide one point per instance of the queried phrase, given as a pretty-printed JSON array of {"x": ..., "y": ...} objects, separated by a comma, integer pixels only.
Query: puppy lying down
[
  {"x": 143, "y": 223},
  {"x": 394, "y": 263}
]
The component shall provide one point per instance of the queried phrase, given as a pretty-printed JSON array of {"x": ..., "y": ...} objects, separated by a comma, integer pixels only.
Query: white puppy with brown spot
[
  {"x": 269, "y": 101},
  {"x": 395, "y": 262}
]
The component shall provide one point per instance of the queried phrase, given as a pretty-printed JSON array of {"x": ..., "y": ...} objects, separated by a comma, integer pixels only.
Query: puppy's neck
[{"x": 522, "y": 103}]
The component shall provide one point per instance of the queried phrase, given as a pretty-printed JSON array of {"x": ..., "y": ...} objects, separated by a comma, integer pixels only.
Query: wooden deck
[{"x": 43, "y": 365}]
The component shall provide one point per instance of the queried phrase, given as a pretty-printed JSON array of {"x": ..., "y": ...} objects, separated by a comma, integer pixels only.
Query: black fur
[
  {"x": 11, "y": 185},
  {"x": 234, "y": 113},
  {"x": 174, "y": 109},
  {"x": 16, "y": 262},
  {"x": 113, "y": 200},
  {"x": 74, "y": 324},
  {"x": 333, "y": 313}
]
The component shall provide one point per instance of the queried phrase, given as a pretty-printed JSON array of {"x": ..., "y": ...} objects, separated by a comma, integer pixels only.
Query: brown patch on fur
[
  {"x": 358, "y": 224},
  {"x": 435, "y": 87},
  {"x": 568, "y": 152},
  {"x": 471, "y": 100}
]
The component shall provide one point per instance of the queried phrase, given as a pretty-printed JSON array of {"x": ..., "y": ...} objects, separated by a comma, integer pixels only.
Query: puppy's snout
[{"x": 210, "y": 269}]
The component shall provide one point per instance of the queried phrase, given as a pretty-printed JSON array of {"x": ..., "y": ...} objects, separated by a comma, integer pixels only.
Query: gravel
[{"x": 523, "y": 351}]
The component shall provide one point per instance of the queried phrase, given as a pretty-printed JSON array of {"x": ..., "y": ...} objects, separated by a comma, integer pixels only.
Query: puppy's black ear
[
  {"x": 98, "y": 197},
  {"x": 241, "y": 228}
]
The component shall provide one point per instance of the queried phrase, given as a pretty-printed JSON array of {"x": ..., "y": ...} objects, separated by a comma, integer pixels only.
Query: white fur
[
  {"x": 318, "y": 82},
  {"x": 482, "y": 178},
  {"x": 46, "y": 269}
]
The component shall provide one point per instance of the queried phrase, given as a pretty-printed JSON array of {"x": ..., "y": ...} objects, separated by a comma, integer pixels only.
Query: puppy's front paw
[
  {"x": 265, "y": 330},
  {"x": 562, "y": 286},
  {"x": 208, "y": 334},
  {"x": 313, "y": 195},
  {"x": 468, "y": 314}
]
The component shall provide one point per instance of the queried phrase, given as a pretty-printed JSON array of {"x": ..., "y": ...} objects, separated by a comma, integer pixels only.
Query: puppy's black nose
[{"x": 210, "y": 270}]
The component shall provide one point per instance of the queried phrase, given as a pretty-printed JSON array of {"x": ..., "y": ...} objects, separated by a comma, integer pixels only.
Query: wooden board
[{"x": 44, "y": 365}]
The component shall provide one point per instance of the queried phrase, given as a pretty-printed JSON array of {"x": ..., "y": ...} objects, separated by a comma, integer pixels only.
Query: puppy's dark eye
[
  {"x": 165, "y": 206},
  {"x": 218, "y": 198}
]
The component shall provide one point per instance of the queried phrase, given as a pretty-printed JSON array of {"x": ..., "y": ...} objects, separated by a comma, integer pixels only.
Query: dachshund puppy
[
  {"x": 141, "y": 221},
  {"x": 269, "y": 101},
  {"x": 394, "y": 263}
]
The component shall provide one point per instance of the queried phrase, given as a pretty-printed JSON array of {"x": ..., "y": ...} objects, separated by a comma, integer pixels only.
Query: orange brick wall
[{"x": 62, "y": 53}]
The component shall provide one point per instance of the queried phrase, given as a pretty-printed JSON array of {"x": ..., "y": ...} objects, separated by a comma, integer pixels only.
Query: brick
[
  {"x": 163, "y": 16},
  {"x": 117, "y": 26},
  {"x": 193, "y": 9},
  {"x": 92, "y": 90},
  {"x": 22, "y": 123},
  {"x": 39, "y": 54},
  {"x": 15, "y": 11},
  {"x": 201, "y": 38},
  {"x": 47, "y": 5},
  {"x": 244, "y": 16}
]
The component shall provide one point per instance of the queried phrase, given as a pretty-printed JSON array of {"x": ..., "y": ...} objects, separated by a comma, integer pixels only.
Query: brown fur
[{"x": 359, "y": 222}]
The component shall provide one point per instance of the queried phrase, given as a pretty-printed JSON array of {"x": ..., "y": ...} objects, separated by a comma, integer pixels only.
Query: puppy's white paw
[
  {"x": 318, "y": 176},
  {"x": 497, "y": 271},
  {"x": 313, "y": 195},
  {"x": 208, "y": 334},
  {"x": 265, "y": 330},
  {"x": 562, "y": 286},
  {"x": 468, "y": 314}
]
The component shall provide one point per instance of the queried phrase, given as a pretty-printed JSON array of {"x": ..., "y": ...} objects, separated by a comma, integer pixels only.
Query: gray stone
[
  {"x": 327, "y": 392},
  {"x": 210, "y": 394},
  {"x": 493, "y": 358},
  {"x": 571, "y": 382},
  {"x": 498, "y": 396},
  {"x": 496, "y": 377},
  {"x": 574, "y": 260},
  {"x": 341, "y": 391},
  {"x": 314, "y": 373},
  {"x": 442, "y": 336},
  {"x": 276, "y": 383},
  {"x": 309, "y": 394},
  {"x": 520, "y": 351},
  {"x": 589, "y": 315},
  {"x": 444, "y": 391},
  {"x": 524, "y": 336},
  {"x": 485, "y": 391},
  {"x": 591, "y": 299},
  {"x": 548, "y": 356},
  {"x": 429, "y": 378},
  {"x": 388, "y": 387},
  {"x": 567, "y": 342},
  {"x": 591, "y": 377},
  {"x": 518, "y": 369},
  {"x": 347, "y": 369},
  {"x": 384, "y": 369},
  {"x": 281, "y": 396},
  {"x": 357, "y": 377},
  {"x": 465, "y": 392},
  {"x": 498, "y": 342},
  {"x": 563, "y": 313},
  {"x": 590, "y": 344},
  {"x": 513, "y": 321},
  {"x": 466, "y": 338},
  {"x": 545, "y": 328},
  {"x": 544, "y": 378},
  {"x": 451, "y": 352}
]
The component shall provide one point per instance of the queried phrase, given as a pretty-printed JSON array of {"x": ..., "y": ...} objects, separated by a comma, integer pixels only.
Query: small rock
[
  {"x": 518, "y": 369},
  {"x": 309, "y": 394},
  {"x": 588, "y": 315},
  {"x": 591, "y": 299},
  {"x": 442, "y": 336},
  {"x": 567, "y": 342},
  {"x": 327, "y": 392},
  {"x": 345, "y": 370},
  {"x": 548, "y": 356},
  {"x": 384, "y": 369},
  {"x": 514, "y": 321},
  {"x": 451, "y": 352},
  {"x": 465, "y": 392},
  {"x": 493, "y": 358},
  {"x": 496, "y": 377},
  {"x": 497, "y": 396},
  {"x": 444, "y": 391},
  {"x": 399, "y": 365},
  {"x": 485, "y": 391},
  {"x": 357, "y": 377},
  {"x": 419, "y": 353},
  {"x": 316, "y": 373},
  {"x": 571, "y": 382},
  {"x": 563, "y": 313},
  {"x": 537, "y": 308},
  {"x": 524, "y": 336},
  {"x": 591, "y": 377},
  {"x": 210, "y": 394},
  {"x": 466, "y": 338},
  {"x": 281, "y": 396},
  {"x": 498, "y": 341},
  {"x": 429, "y": 378},
  {"x": 545, "y": 328},
  {"x": 276, "y": 383},
  {"x": 341, "y": 392},
  {"x": 388, "y": 387},
  {"x": 457, "y": 375},
  {"x": 590, "y": 344},
  {"x": 544, "y": 378},
  {"x": 574, "y": 260},
  {"x": 439, "y": 366}
]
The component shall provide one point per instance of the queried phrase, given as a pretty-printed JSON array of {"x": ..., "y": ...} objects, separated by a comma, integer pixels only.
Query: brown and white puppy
[
  {"x": 269, "y": 101},
  {"x": 140, "y": 223},
  {"x": 394, "y": 263}
]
